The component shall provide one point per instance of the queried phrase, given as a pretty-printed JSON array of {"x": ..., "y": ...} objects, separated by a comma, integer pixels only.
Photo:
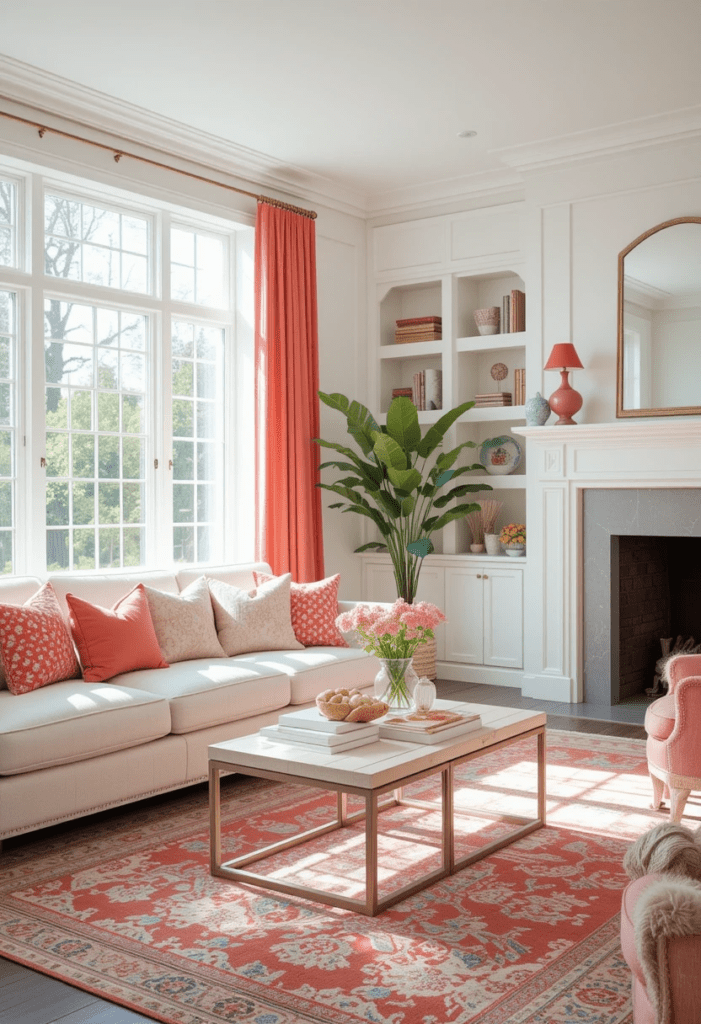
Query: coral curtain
[{"x": 288, "y": 503}]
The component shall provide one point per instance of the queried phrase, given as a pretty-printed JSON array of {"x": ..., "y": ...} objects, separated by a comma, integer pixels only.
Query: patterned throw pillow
[
  {"x": 117, "y": 639},
  {"x": 184, "y": 623},
  {"x": 314, "y": 608},
  {"x": 36, "y": 646},
  {"x": 258, "y": 620}
]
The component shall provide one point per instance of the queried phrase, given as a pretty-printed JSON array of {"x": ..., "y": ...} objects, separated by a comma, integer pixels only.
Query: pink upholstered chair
[
  {"x": 673, "y": 726},
  {"x": 666, "y": 982}
]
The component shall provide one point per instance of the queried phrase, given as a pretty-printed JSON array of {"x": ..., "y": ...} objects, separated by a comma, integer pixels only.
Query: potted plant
[
  {"x": 401, "y": 480},
  {"x": 513, "y": 539}
]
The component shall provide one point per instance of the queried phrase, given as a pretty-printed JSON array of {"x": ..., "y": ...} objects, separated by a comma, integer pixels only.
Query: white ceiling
[{"x": 370, "y": 95}]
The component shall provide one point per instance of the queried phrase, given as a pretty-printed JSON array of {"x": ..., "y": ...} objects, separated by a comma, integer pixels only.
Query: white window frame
[{"x": 32, "y": 285}]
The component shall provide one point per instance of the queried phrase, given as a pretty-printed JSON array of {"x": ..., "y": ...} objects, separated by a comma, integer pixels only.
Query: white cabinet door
[
  {"x": 503, "y": 617},
  {"x": 464, "y": 612}
]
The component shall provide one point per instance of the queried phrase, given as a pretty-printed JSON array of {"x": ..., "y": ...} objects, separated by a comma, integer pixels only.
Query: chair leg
[
  {"x": 678, "y": 800},
  {"x": 658, "y": 788}
]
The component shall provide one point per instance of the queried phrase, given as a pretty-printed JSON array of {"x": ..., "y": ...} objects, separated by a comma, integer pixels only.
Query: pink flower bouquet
[{"x": 393, "y": 632}]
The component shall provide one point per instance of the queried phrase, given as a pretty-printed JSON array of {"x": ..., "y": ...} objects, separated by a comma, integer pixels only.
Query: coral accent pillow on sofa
[
  {"x": 36, "y": 646},
  {"x": 117, "y": 639},
  {"x": 184, "y": 623},
  {"x": 314, "y": 609},
  {"x": 256, "y": 620}
]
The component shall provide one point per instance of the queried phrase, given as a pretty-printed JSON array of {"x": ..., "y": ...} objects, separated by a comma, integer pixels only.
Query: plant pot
[
  {"x": 395, "y": 682},
  {"x": 515, "y": 550},
  {"x": 424, "y": 660},
  {"x": 476, "y": 548},
  {"x": 492, "y": 543}
]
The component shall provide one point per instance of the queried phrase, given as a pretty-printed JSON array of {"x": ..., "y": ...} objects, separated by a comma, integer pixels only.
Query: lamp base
[{"x": 565, "y": 402}]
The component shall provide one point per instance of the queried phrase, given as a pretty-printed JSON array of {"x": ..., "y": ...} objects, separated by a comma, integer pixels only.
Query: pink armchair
[{"x": 673, "y": 726}]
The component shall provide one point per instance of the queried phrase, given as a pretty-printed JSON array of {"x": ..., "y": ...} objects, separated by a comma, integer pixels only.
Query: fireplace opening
[{"x": 656, "y": 595}]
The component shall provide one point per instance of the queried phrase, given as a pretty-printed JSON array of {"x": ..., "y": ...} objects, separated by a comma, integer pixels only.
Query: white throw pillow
[
  {"x": 184, "y": 622},
  {"x": 256, "y": 620}
]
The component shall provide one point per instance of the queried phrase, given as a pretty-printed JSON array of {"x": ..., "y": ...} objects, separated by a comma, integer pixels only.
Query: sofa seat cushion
[
  {"x": 319, "y": 668},
  {"x": 660, "y": 717},
  {"x": 75, "y": 720},
  {"x": 208, "y": 692}
]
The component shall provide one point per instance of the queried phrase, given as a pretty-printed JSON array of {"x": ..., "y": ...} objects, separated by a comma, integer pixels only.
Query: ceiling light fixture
[{"x": 468, "y": 133}]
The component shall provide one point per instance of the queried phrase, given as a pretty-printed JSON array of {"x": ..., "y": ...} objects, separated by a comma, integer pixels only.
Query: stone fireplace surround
[{"x": 567, "y": 625}]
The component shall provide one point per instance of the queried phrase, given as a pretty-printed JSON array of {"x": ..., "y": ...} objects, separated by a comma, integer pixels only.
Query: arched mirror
[{"x": 659, "y": 322}]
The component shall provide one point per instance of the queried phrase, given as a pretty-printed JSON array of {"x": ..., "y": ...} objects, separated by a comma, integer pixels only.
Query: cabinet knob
[
  {"x": 479, "y": 575},
  {"x": 486, "y": 577}
]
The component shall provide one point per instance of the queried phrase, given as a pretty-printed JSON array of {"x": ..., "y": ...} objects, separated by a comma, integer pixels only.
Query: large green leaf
[
  {"x": 454, "y": 513},
  {"x": 372, "y": 513},
  {"x": 390, "y": 504},
  {"x": 435, "y": 434},
  {"x": 408, "y": 505},
  {"x": 369, "y": 470},
  {"x": 420, "y": 548},
  {"x": 403, "y": 424},
  {"x": 346, "y": 492},
  {"x": 457, "y": 492},
  {"x": 372, "y": 545},
  {"x": 404, "y": 479},
  {"x": 389, "y": 452},
  {"x": 447, "y": 459},
  {"x": 335, "y": 401},
  {"x": 361, "y": 426}
]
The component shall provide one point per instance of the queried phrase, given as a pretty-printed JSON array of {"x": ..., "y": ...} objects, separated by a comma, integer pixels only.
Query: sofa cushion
[
  {"x": 35, "y": 644},
  {"x": 105, "y": 589},
  {"x": 16, "y": 590},
  {"x": 114, "y": 640},
  {"x": 239, "y": 575},
  {"x": 257, "y": 620},
  {"x": 314, "y": 669},
  {"x": 660, "y": 717},
  {"x": 74, "y": 720},
  {"x": 314, "y": 610},
  {"x": 184, "y": 623},
  {"x": 205, "y": 692}
]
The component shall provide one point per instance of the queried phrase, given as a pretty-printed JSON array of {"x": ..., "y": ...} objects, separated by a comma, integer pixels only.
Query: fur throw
[
  {"x": 665, "y": 848},
  {"x": 668, "y": 908}
]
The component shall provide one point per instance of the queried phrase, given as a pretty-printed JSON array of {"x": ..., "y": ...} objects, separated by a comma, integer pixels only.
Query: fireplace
[{"x": 641, "y": 582}]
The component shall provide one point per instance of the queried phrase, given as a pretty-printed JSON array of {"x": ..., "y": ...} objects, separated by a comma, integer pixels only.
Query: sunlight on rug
[{"x": 125, "y": 907}]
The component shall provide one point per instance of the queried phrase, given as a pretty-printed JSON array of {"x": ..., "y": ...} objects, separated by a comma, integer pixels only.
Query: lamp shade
[{"x": 563, "y": 356}]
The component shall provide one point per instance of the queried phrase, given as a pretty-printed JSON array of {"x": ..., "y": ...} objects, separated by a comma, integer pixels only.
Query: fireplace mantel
[{"x": 561, "y": 462}]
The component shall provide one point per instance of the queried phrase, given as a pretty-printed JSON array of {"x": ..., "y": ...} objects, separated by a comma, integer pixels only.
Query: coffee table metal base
[{"x": 372, "y": 904}]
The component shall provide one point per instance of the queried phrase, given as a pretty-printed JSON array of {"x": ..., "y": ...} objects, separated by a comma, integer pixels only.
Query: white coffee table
[{"x": 370, "y": 772}]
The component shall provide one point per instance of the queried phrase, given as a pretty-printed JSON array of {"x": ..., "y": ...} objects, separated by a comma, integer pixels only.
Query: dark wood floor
[{"x": 27, "y": 997}]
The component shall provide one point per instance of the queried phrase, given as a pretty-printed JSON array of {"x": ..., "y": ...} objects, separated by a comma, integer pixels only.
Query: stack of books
[
  {"x": 308, "y": 728},
  {"x": 403, "y": 393},
  {"x": 427, "y": 726},
  {"x": 519, "y": 387},
  {"x": 513, "y": 312},
  {"x": 419, "y": 328},
  {"x": 493, "y": 400},
  {"x": 427, "y": 391}
]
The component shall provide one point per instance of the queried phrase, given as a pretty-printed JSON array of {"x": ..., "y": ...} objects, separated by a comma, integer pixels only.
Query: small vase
[
  {"x": 515, "y": 550},
  {"x": 537, "y": 411},
  {"x": 395, "y": 682},
  {"x": 492, "y": 543},
  {"x": 424, "y": 694},
  {"x": 476, "y": 548}
]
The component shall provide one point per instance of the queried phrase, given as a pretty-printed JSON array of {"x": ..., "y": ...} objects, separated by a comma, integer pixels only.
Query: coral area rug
[{"x": 125, "y": 906}]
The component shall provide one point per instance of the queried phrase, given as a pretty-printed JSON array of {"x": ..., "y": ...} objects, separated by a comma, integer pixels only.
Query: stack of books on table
[
  {"x": 308, "y": 728},
  {"x": 419, "y": 328},
  {"x": 427, "y": 726},
  {"x": 497, "y": 398}
]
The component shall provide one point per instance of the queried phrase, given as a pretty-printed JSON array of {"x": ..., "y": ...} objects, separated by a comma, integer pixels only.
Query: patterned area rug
[{"x": 126, "y": 907}]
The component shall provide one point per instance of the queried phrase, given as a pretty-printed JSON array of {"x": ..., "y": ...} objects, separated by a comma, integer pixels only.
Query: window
[{"x": 128, "y": 451}]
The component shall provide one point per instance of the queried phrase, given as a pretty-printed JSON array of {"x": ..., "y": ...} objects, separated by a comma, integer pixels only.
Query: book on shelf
[
  {"x": 403, "y": 393},
  {"x": 501, "y": 398},
  {"x": 328, "y": 742},
  {"x": 518, "y": 311},
  {"x": 404, "y": 337},
  {"x": 519, "y": 387},
  {"x": 428, "y": 727},
  {"x": 415, "y": 321},
  {"x": 506, "y": 314}
]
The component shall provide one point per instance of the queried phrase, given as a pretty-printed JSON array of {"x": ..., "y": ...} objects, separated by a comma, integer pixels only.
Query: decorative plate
[{"x": 500, "y": 455}]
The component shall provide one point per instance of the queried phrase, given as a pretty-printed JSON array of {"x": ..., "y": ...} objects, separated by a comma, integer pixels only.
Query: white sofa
[{"x": 73, "y": 747}]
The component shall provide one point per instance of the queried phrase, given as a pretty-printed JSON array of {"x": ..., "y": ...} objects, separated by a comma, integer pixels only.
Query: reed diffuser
[
  {"x": 474, "y": 521},
  {"x": 489, "y": 512}
]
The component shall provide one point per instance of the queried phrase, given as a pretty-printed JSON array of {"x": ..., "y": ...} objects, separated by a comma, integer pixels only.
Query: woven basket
[{"x": 424, "y": 660}]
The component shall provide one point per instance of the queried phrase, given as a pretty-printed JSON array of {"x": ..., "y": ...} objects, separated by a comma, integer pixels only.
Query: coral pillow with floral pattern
[
  {"x": 35, "y": 643},
  {"x": 314, "y": 608}
]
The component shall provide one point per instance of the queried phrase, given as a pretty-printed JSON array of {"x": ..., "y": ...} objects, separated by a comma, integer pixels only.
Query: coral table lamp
[{"x": 564, "y": 402}]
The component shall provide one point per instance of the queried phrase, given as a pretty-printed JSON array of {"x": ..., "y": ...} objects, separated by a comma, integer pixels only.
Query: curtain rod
[{"x": 119, "y": 153}]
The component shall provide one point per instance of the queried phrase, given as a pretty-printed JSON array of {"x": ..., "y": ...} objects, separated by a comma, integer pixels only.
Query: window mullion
[{"x": 162, "y": 508}]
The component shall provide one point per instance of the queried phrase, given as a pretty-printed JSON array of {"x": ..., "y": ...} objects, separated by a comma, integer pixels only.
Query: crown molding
[
  {"x": 658, "y": 129},
  {"x": 59, "y": 97},
  {"x": 414, "y": 198}
]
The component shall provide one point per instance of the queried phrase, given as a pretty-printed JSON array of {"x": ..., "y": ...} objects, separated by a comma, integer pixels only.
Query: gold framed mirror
[{"x": 658, "y": 370}]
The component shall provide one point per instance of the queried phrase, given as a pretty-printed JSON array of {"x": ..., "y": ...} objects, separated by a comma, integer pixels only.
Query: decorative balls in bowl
[
  {"x": 343, "y": 705},
  {"x": 487, "y": 320}
]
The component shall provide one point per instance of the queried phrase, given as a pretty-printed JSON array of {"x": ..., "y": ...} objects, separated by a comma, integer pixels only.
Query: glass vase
[
  {"x": 395, "y": 682},
  {"x": 424, "y": 695}
]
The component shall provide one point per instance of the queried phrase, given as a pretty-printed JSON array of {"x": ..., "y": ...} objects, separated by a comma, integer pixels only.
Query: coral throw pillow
[
  {"x": 36, "y": 646},
  {"x": 314, "y": 609},
  {"x": 117, "y": 639},
  {"x": 184, "y": 623},
  {"x": 258, "y": 620}
]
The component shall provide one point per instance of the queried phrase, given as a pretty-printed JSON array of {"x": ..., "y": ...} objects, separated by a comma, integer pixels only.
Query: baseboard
[
  {"x": 488, "y": 674},
  {"x": 557, "y": 688}
]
